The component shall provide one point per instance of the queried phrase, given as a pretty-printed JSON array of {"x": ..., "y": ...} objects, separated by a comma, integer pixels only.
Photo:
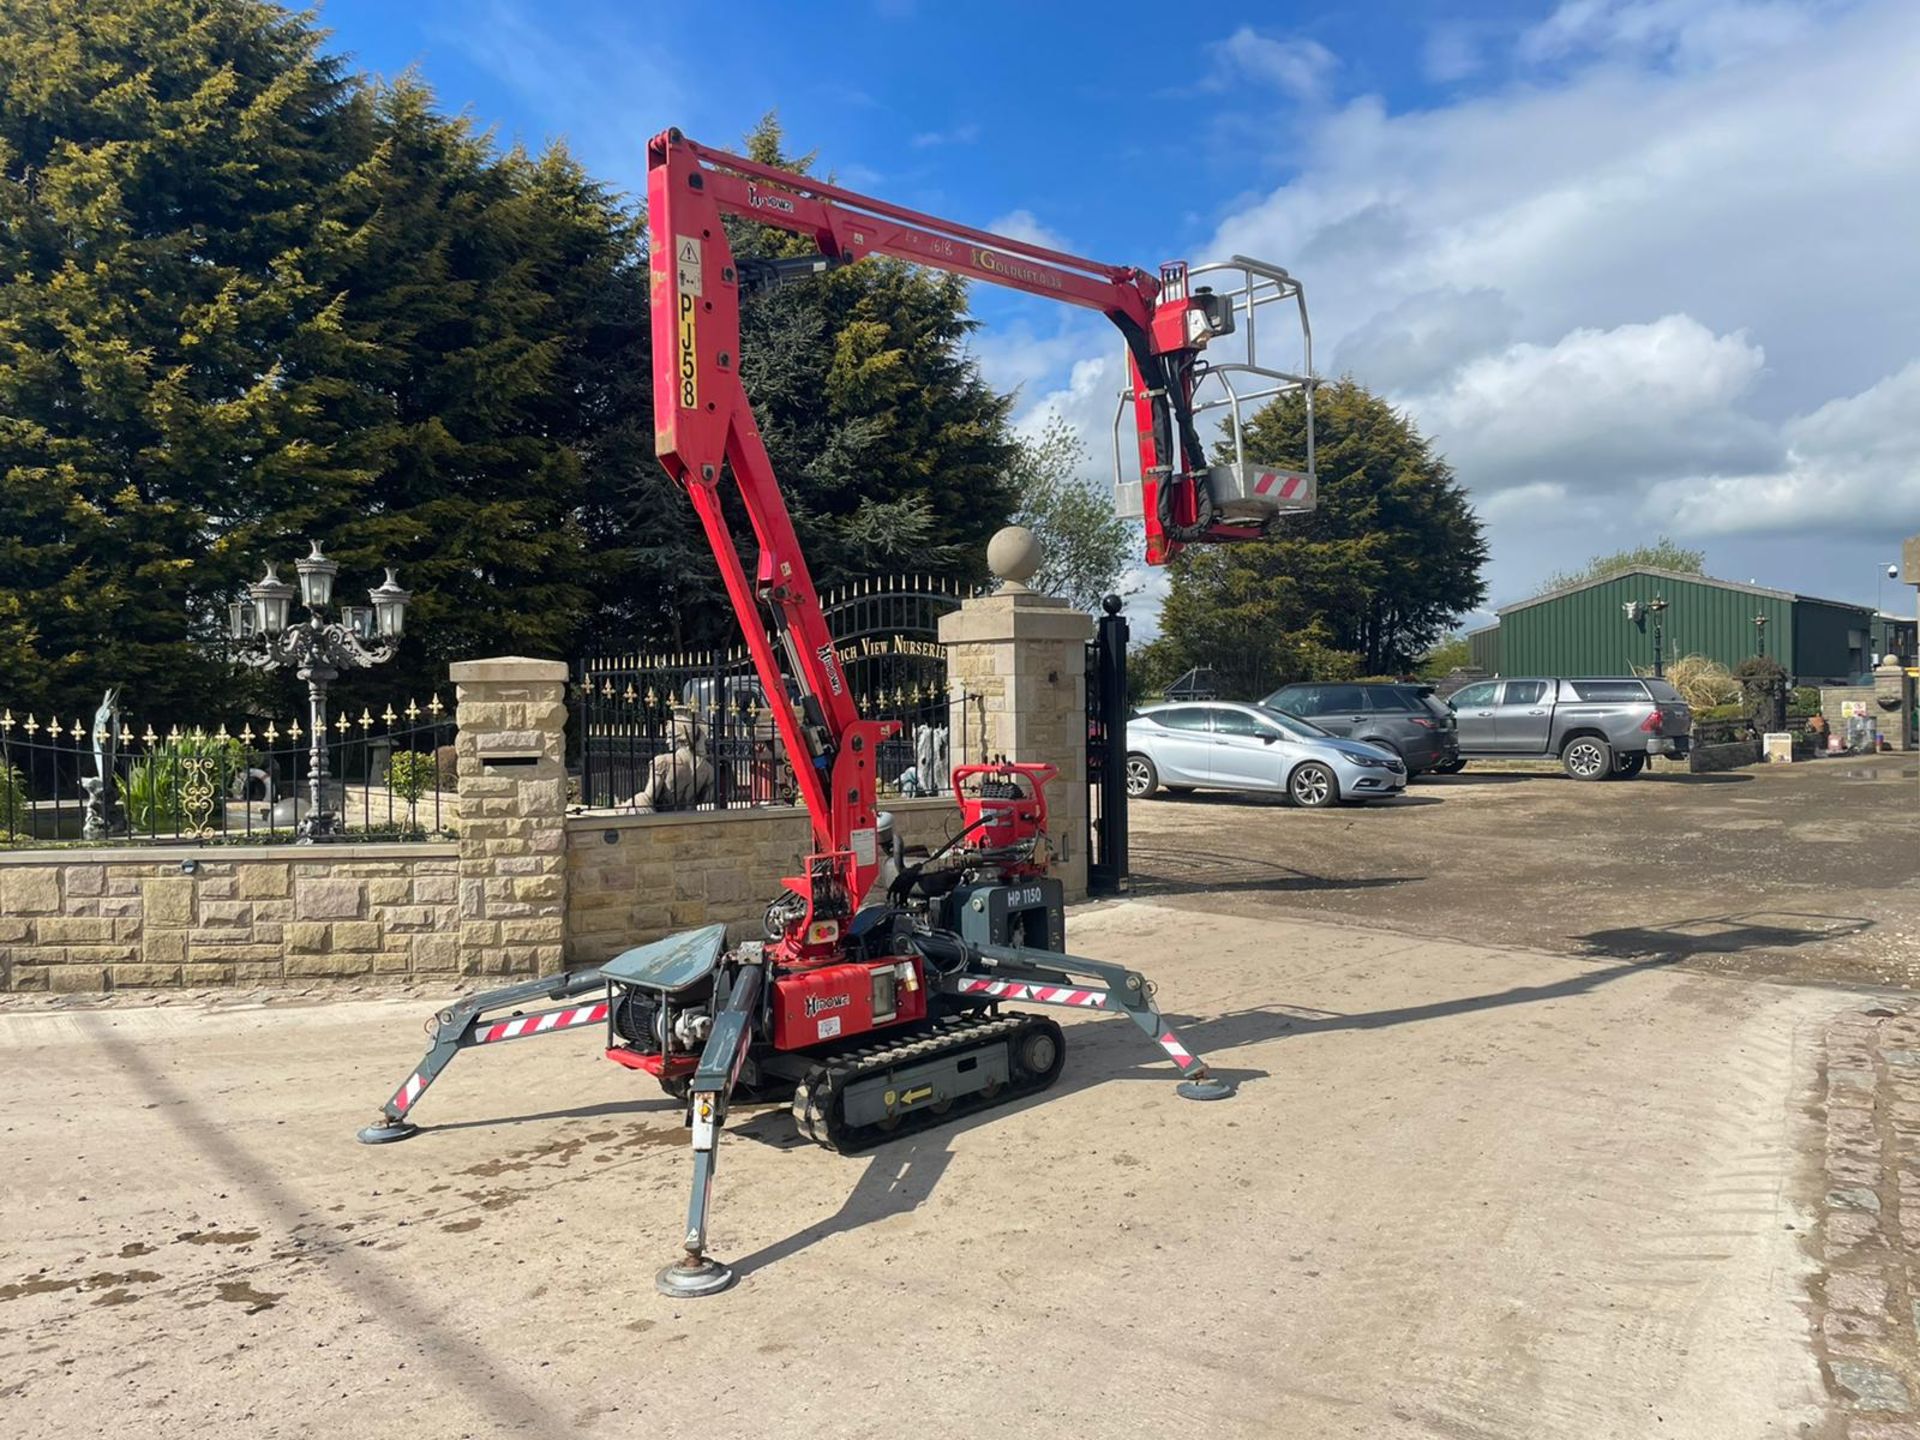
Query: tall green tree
[
  {"x": 477, "y": 371},
  {"x": 1663, "y": 554},
  {"x": 160, "y": 164},
  {"x": 1085, "y": 548},
  {"x": 248, "y": 298},
  {"x": 893, "y": 451},
  {"x": 1363, "y": 584}
]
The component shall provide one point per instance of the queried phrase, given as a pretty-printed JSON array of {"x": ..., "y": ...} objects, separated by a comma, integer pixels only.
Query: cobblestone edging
[{"x": 1866, "y": 1298}]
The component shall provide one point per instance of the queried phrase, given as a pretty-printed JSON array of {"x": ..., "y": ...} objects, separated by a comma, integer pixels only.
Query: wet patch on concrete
[
  {"x": 241, "y": 1292},
  {"x": 218, "y": 1237},
  {"x": 43, "y": 1284}
]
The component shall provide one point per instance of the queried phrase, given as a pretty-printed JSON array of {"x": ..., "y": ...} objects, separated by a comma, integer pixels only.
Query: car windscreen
[{"x": 1294, "y": 725}]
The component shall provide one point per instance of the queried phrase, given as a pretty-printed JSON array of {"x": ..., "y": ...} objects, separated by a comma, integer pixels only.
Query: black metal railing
[
  {"x": 695, "y": 731},
  {"x": 110, "y": 781}
]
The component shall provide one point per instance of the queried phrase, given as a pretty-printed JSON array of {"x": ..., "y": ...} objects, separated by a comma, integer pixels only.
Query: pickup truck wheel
[
  {"x": 1142, "y": 778},
  {"x": 1625, "y": 767},
  {"x": 1313, "y": 786},
  {"x": 1587, "y": 757}
]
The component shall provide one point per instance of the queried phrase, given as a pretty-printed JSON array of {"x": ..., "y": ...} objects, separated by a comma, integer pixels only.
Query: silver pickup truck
[{"x": 1600, "y": 729}]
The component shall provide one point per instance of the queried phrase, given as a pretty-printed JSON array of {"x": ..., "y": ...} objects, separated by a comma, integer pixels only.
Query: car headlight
[{"x": 1373, "y": 762}]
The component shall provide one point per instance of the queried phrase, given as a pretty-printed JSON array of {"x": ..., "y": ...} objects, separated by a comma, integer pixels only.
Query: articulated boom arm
[{"x": 704, "y": 425}]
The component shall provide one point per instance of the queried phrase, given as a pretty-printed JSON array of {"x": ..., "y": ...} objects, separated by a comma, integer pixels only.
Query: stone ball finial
[{"x": 1013, "y": 554}]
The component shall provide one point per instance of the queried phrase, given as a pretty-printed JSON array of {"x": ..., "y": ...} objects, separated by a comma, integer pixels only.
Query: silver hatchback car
[{"x": 1220, "y": 746}]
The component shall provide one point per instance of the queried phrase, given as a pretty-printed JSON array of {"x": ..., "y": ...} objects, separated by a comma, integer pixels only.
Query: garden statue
[
  {"x": 102, "y": 816},
  {"x": 683, "y": 777}
]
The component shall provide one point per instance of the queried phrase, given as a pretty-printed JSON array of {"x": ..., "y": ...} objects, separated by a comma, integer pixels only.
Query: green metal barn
[{"x": 1586, "y": 629}]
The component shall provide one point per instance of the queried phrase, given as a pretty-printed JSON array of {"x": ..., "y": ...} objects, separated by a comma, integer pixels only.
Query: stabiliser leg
[
  {"x": 697, "y": 1273},
  {"x": 465, "y": 1024},
  {"x": 1047, "y": 977}
]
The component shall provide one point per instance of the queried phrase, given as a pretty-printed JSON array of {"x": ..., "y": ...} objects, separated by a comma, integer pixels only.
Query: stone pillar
[
  {"x": 1891, "y": 682},
  {"x": 512, "y": 785},
  {"x": 1017, "y": 670}
]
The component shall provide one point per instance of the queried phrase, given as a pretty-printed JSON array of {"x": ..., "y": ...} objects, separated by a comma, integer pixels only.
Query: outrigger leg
[
  {"x": 698, "y": 1273},
  {"x": 465, "y": 1024},
  {"x": 1047, "y": 977}
]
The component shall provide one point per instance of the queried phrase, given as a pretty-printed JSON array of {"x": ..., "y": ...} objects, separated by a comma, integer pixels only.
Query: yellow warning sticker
[
  {"x": 689, "y": 340},
  {"x": 908, "y": 1097}
]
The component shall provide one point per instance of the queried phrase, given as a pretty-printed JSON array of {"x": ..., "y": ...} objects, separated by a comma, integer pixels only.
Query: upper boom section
[{"x": 849, "y": 226}]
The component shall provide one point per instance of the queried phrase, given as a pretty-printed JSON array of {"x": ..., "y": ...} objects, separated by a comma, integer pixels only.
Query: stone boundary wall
[
  {"x": 632, "y": 878},
  {"x": 1704, "y": 759},
  {"x": 101, "y": 920}
]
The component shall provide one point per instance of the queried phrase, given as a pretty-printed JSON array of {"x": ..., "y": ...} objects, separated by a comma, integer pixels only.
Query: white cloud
[
  {"x": 959, "y": 135},
  {"x": 1025, "y": 225},
  {"x": 1658, "y": 280},
  {"x": 1300, "y": 68},
  {"x": 1853, "y": 464},
  {"x": 1605, "y": 408},
  {"x": 1689, "y": 34}
]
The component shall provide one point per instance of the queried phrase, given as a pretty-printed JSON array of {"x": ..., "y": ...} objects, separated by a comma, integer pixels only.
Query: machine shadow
[
  {"x": 1182, "y": 872},
  {"x": 1721, "y": 935},
  {"x": 901, "y": 1175},
  {"x": 652, "y": 1105}
]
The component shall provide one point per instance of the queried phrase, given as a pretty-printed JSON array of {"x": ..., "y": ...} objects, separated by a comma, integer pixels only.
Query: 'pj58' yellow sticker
[{"x": 689, "y": 375}]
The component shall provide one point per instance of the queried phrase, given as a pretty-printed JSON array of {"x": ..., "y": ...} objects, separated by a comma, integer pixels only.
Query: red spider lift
[{"x": 875, "y": 999}]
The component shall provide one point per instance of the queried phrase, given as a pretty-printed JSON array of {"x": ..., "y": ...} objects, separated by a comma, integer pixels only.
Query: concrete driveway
[{"x": 1465, "y": 1191}]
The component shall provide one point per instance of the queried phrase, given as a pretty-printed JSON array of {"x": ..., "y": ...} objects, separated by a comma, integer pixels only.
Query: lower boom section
[{"x": 926, "y": 1076}]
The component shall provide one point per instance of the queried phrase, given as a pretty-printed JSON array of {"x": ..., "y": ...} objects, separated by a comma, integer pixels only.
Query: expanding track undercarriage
[{"x": 705, "y": 1020}]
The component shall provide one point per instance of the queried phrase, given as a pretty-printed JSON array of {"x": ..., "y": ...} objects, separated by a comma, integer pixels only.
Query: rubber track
[{"x": 818, "y": 1097}]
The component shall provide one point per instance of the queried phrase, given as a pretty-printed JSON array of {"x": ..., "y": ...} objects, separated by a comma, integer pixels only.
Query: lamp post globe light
[{"x": 317, "y": 650}]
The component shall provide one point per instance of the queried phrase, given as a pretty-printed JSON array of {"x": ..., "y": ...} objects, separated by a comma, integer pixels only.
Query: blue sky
[{"x": 1637, "y": 265}]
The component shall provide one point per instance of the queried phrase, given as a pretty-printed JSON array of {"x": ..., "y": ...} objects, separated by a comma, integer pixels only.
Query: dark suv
[{"x": 1406, "y": 719}]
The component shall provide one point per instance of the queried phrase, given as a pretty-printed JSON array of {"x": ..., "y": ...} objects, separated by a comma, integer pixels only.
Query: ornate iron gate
[
  {"x": 1107, "y": 753},
  {"x": 632, "y": 710}
]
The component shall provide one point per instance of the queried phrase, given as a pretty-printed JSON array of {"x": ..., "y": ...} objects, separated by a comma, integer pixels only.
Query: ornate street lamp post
[
  {"x": 317, "y": 650},
  {"x": 1760, "y": 636}
]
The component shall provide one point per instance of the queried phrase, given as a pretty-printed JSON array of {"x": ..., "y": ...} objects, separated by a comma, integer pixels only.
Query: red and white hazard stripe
[
  {"x": 541, "y": 1023},
  {"x": 1181, "y": 1055},
  {"x": 1289, "y": 485},
  {"x": 408, "y": 1093},
  {"x": 1042, "y": 994}
]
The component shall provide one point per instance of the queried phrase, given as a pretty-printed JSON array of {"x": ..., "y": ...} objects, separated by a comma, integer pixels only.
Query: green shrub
[
  {"x": 411, "y": 773},
  {"x": 13, "y": 803},
  {"x": 152, "y": 790}
]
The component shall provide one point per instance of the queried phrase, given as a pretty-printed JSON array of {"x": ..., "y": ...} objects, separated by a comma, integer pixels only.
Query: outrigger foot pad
[
  {"x": 385, "y": 1132},
  {"x": 1205, "y": 1088},
  {"x": 690, "y": 1278}
]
